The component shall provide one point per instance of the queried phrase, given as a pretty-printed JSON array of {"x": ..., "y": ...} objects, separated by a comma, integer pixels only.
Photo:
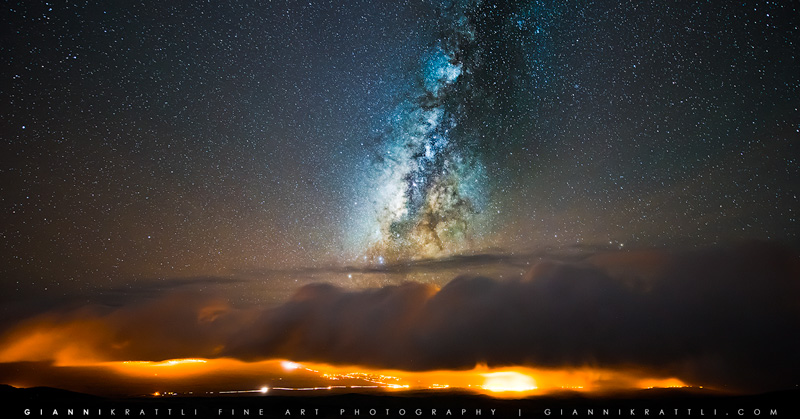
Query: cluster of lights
[
  {"x": 377, "y": 380},
  {"x": 502, "y": 383},
  {"x": 164, "y": 394},
  {"x": 380, "y": 379}
]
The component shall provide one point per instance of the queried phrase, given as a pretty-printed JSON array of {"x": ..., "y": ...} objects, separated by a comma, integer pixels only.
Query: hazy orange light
[
  {"x": 73, "y": 343},
  {"x": 91, "y": 340},
  {"x": 289, "y": 365},
  {"x": 516, "y": 381},
  {"x": 76, "y": 344},
  {"x": 661, "y": 383},
  {"x": 503, "y": 381},
  {"x": 178, "y": 368}
]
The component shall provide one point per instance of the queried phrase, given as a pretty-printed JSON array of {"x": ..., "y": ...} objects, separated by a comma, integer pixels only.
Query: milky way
[
  {"x": 430, "y": 184},
  {"x": 162, "y": 141}
]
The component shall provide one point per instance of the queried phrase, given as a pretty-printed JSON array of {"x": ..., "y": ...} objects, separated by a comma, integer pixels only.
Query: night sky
[{"x": 246, "y": 149}]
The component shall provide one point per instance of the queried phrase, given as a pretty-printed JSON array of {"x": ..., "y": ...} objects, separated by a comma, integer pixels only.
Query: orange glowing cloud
[
  {"x": 570, "y": 325},
  {"x": 75, "y": 342},
  {"x": 174, "y": 326}
]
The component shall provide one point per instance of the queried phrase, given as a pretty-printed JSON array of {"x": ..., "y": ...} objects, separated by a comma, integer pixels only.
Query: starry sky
[
  {"x": 244, "y": 149},
  {"x": 239, "y": 139}
]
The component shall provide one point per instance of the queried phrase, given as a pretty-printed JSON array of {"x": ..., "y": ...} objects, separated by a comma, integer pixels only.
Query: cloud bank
[{"x": 716, "y": 317}]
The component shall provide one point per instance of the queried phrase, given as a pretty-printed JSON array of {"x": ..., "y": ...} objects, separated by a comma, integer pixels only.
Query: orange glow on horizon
[
  {"x": 289, "y": 365},
  {"x": 506, "y": 381},
  {"x": 498, "y": 382},
  {"x": 86, "y": 339},
  {"x": 81, "y": 344},
  {"x": 664, "y": 383}
]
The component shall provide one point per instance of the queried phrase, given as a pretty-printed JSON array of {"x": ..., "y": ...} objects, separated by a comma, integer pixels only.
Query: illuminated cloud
[
  {"x": 712, "y": 317},
  {"x": 722, "y": 318},
  {"x": 176, "y": 325}
]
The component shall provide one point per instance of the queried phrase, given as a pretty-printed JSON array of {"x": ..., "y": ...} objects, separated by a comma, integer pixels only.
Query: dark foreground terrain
[{"x": 49, "y": 402}]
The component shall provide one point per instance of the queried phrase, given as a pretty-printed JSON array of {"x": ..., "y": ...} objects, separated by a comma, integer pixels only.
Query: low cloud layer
[{"x": 718, "y": 317}]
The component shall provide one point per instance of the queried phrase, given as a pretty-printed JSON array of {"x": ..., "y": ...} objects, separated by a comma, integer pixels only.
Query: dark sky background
[{"x": 243, "y": 149}]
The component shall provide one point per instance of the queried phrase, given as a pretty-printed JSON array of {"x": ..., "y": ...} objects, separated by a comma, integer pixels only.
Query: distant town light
[{"x": 289, "y": 365}]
